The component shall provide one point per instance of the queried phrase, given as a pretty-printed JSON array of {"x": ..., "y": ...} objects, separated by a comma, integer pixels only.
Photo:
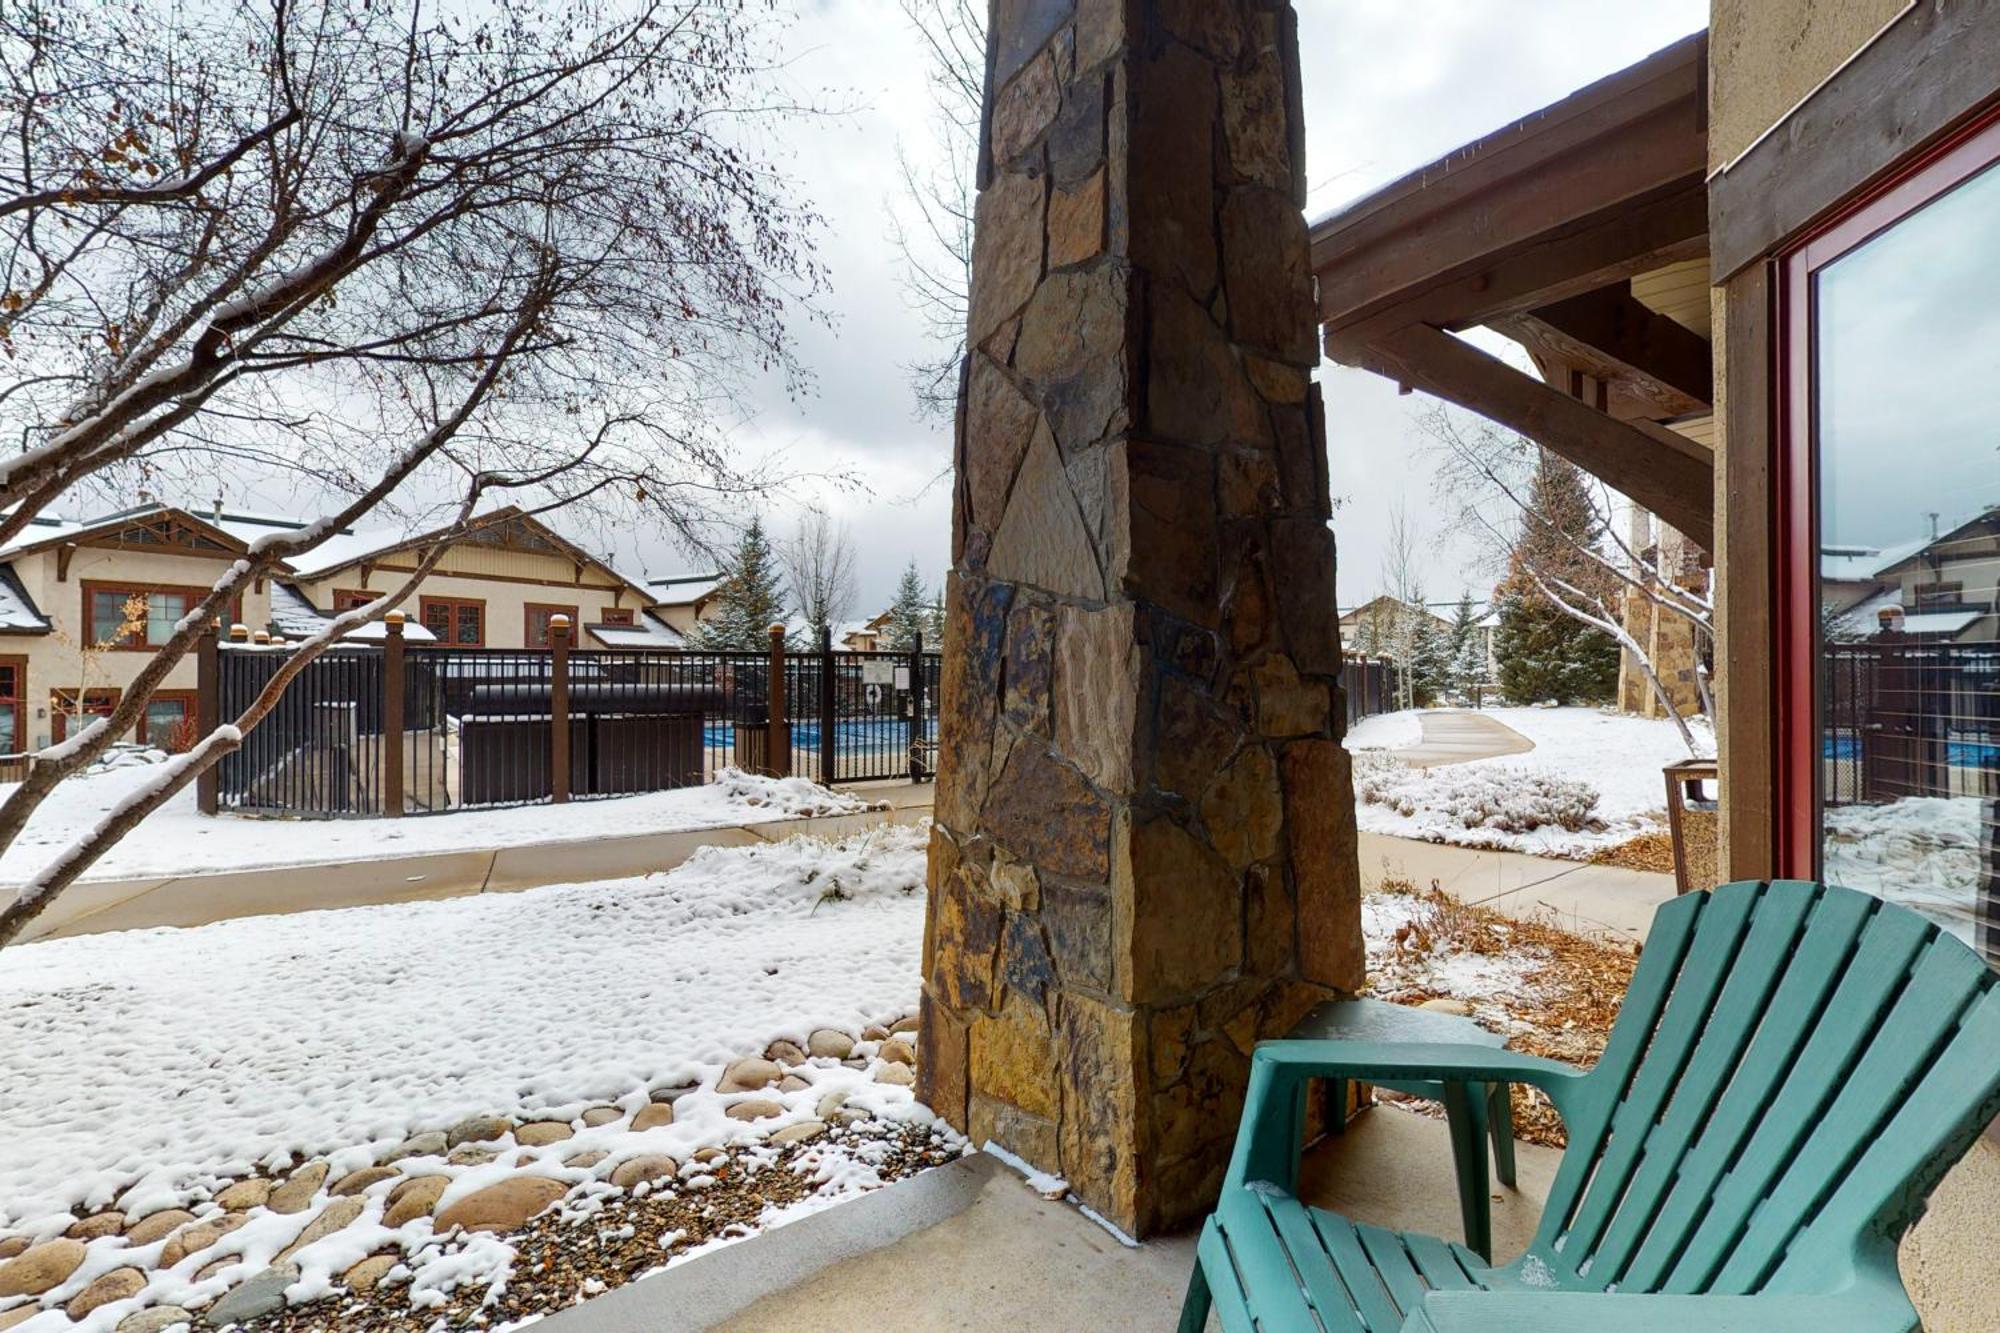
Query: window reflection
[{"x": 1907, "y": 379}]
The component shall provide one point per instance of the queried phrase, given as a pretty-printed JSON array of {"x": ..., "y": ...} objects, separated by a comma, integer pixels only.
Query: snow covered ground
[
  {"x": 1923, "y": 852},
  {"x": 1524, "y": 802},
  {"x": 177, "y": 839},
  {"x": 147, "y": 1066}
]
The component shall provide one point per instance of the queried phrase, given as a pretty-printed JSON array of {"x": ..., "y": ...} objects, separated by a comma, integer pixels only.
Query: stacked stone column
[{"x": 1144, "y": 856}]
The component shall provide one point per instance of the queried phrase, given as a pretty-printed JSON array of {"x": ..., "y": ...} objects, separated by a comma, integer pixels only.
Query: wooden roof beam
[
  {"x": 1624, "y": 141},
  {"x": 1616, "y": 327},
  {"x": 1658, "y": 469}
]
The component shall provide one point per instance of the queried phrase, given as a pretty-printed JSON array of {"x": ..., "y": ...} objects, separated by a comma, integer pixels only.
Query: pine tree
[
  {"x": 1543, "y": 652},
  {"x": 750, "y": 599},
  {"x": 911, "y": 614},
  {"x": 1466, "y": 664}
]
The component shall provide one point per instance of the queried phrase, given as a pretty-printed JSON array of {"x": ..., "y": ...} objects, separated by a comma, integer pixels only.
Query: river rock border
[{"x": 244, "y": 1248}]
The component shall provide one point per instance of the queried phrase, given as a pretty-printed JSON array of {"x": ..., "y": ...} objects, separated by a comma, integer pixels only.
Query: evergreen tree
[
  {"x": 1466, "y": 664},
  {"x": 750, "y": 599},
  {"x": 1422, "y": 652},
  {"x": 1543, "y": 652},
  {"x": 911, "y": 614}
]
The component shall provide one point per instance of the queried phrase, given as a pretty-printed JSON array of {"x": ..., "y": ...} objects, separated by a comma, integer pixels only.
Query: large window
[
  {"x": 458, "y": 622},
  {"x": 1891, "y": 485},
  {"x": 13, "y": 704},
  {"x": 131, "y": 617}
]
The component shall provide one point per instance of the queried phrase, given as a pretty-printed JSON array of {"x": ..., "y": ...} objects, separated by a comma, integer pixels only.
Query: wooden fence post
[
  {"x": 207, "y": 712},
  {"x": 393, "y": 682},
  {"x": 828, "y": 719},
  {"x": 559, "y": 708},
  {"x": 778, "y": 730}
]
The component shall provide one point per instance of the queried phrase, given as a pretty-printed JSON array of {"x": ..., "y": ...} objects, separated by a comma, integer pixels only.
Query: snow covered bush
[{"x": 1502, "y": 798}]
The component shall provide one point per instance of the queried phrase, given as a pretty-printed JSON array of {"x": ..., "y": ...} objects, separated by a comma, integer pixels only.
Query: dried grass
[{"x": 1576, "y": 983}]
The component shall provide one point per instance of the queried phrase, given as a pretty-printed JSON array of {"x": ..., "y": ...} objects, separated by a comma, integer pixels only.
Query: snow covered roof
[
  {"x": 683, "y": 589},
  {"x": 296, "y": 618},
  {"x": 346, "y": 548},
  {"x": 18, "y": 612},
  {"x": 1856, "y": 564},
  {"x": 649, "y": 632},
  {"x": 1939, "y": 622}
]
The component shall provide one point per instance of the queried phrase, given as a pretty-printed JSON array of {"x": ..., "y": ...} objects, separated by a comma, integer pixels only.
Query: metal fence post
[
  {"x": 559, "y": 709},
  {"x": 778, "y": 732},
  {"x": 916, "y": 706},
  {"x": 828, "y": 774},
  {"x": 207, "y": 711},
  {"x": 393, "y": 684}
]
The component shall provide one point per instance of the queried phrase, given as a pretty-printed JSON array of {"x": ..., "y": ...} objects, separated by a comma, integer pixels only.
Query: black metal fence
[
  {"x": 1903, "y": 719},
  {"x": 420, "y": 728}
]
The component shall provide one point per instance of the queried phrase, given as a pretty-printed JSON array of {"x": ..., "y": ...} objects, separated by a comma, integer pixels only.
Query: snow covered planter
[
  {"x": 457, "y": 1113},
  {"x": 1504, "y": 799}
]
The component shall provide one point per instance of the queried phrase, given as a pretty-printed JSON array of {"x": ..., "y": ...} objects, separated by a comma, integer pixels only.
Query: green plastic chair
[{"x": 1794, "y": 1069}]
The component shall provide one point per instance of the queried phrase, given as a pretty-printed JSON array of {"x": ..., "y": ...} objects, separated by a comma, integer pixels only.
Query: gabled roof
[
  {"x": 18, "y": 612},
  {"x": 43, "y": 533},
  {"x": 1903, "y": 555},
  {"x": 345, "y": 550}
]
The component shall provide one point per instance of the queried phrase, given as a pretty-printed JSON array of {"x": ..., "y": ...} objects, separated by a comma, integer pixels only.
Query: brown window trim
[
  {"x": 617, "y": 615},
  {"x": 19, "y": 700},
  {"x": 349, "y": 599},
  {"x": 193, "y": 594},
  {"x": 61, "y": 700},
  {"x": 457, "y": 604},
  {"x": 531, "y": 609},
  {"x": 188, "y": 699}
]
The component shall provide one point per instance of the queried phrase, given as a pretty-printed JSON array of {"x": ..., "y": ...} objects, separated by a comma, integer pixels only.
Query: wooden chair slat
[
  {"x": 1781, "y": 916},
  {"x": 1874, "y": 975},
  {"x": 1794, "y": 1069},
  {"x": 1684, "y": 1021},
  {"x": 1809, "y": 977},
  {"x": 1902, "y": 1050}
]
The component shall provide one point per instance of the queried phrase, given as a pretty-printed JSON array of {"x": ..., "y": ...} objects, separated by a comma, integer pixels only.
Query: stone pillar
[{"x": 1144, "y": 855}]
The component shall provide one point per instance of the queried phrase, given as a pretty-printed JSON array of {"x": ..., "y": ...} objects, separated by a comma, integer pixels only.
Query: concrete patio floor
[
  {"x": 971, "y": 1247},
  {"x": 1574, "y": 894}
]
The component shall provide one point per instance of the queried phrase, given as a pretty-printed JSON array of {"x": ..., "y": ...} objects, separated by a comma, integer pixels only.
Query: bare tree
[
  {"x": 819, "y": 565},
  {"x": 931, "y": 224},
  {"x": 1486, "y": 469},
  {"x": 414, "y": 255}
]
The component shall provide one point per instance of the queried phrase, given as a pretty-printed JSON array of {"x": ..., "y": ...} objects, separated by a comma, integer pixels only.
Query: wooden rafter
[
  {"x": 1672, "y": 476},
  {"x": 1537, "y": 231},
  {"x": 1611, "y": 335}
]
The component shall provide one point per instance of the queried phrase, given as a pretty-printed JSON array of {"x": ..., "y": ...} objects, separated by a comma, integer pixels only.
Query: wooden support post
[
  {"x": 828, "y": 713},
  {"x": 778, "y": 730},
  {"x": 207, "y": 711},
  {"x": 394, "y": 680},
  {"x": 559, "y": 709}
]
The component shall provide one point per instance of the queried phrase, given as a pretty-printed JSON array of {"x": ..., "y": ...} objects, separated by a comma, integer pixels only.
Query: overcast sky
[{"x": 1389, "y": 85}]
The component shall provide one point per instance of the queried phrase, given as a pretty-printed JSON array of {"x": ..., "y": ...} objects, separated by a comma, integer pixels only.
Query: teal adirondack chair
[{"x": 1794, "y": 1069}]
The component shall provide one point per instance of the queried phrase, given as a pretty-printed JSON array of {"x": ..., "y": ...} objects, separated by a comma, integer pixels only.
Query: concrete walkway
[
  {"x": 1458, "y": 736},
  {"x": 92, "y": 906},
  {"x": 1577, "y": 895}
]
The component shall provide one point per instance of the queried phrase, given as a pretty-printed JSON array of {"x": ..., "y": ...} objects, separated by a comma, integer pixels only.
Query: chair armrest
[
  {"x": 1592, "y": 1312},
  {"x": 1267, "y": 1141},
  {"x": 1434, "y": 1062}
]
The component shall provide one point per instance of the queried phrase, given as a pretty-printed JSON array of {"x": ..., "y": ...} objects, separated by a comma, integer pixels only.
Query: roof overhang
[{"x": 1537, "y": 232}]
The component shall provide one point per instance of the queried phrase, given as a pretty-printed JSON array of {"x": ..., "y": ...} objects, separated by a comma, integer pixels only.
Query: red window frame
[
  {"x": 98, "y": 701},
  {"x": 194, "y": 595},
  {"x": 535, "y": 617},
  {"x": 14, "y": 674},
  {"x": 1795, "y": 481},
  {"x": 350, "y": 599},
  {"x": 454, "y": 608},
  {"x": 617, "y": 615}
]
